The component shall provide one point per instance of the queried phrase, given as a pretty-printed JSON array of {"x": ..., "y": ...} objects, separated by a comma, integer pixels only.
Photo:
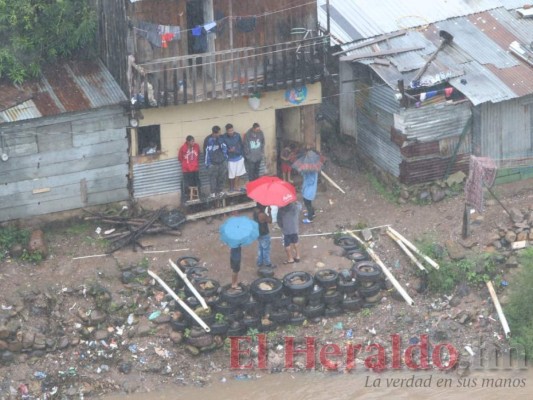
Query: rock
[
  {"x": 462, "y": 290},
  {"x": 125, "y": 367},
  {"x": 367, "y": 234},
  {"x": 455, "y": 301},
  {"x": 521, "y": 236},
  {"x": 27, "y": 339},
  {"x": 3, "y": 345},
  {"x": 516, "y": 215},
  {"x": 530, "y": 236},
  {"x": 162, "y": 319},
  {"x": 16, "y": 250},
  {"x": 62, "y": 343},
  {"x": 320, "y": 264},
  {"x": 510, "y": 237},
  {"x": 176, "y": 337},
  {"x": 424, "y": 196},
  {"x": 512, "y": 262},
  {"x": 127, "y": 277},
  {"x": 97, "y": 317},
  {"x": 455, "y": 251},
  {"x": 408, "y": 320},
  {"x": 437, "y": 194},
  {"x": 497, "y": 244},
  {"x": 40, "y": 342},
  {"x": 14, "y": 346},
  {"x": 440, "y": 335},
  {"x": 404, "y": 194},
  {"x": 455, "y": 178},
  {"x": 37, "y": 244},
  {"x": 144, "y": 328},
  {"x": 101, "y": 334},
  {"x": 463, "y": 317},
  {"x": 193, "y": 350},
  {"x": 7, "y": 357}
]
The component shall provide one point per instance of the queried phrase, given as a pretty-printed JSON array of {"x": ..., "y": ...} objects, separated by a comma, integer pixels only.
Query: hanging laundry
[
  {"x": 431, "y": 94},
  {"x": 245, "y": 24},
  {"x": 197, "y": 31},
  {"x": 422, "y": 96},
  {"x": 200, "y": 42},
  {"x": 154, "y": 33},
  {"x": 209, "y": 27},
  {"x": 448, "y": 91}
]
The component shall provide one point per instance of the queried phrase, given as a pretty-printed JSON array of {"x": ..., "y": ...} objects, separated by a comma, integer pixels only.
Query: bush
[
  {"x": 519, "y": 311},
  {"x": 10, "y": 236}
]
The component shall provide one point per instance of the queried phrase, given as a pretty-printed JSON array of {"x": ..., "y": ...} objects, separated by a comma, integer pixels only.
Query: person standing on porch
[
  {"x": 188, "y": 156},
  {"x": 235, "y": 157},
  {"x": 215, "y": 161},
  {"x": 254, "y": 150}
]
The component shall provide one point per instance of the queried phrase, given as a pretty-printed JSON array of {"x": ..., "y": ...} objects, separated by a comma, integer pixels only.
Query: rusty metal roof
[
  {"x": 67, "y": 87},
  {"x": 477, "y": 62}
]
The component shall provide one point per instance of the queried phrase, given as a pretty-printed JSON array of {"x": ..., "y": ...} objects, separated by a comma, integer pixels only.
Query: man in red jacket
[{"x": 188, "y": 155}]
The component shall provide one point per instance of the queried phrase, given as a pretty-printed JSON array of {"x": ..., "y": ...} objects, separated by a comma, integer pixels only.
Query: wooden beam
[
  {"x": 381, "y": 38},
  {"x": 380, "y": 53},
  {"x": 222, "y": 210}
]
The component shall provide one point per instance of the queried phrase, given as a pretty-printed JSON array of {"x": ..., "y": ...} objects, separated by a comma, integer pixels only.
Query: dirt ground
[{"x": 64, "y": 281}]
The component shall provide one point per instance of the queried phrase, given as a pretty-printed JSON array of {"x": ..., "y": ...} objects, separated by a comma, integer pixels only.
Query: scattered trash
[
  {"x": 223, "y": 380},
  {"x": 98, "y": 230},
  {"x": 243, "y": 377},
  {"x": 132, "y": 348},
  {"x": 130, "y": 319},
  {"x": 414, "y": 340},
  {"x": 109, "y": 231},
  {"x": 6, "y": 308},
  {"x": 504, "y": 283},
  {"x": 315, "y": 247},
  {"x": 470, "y": 351},
  {"x": 39, "y": 375},
  {"x": 23, "y": 389},
  {"x": 349, "y": 334},
  {"x": 71, "y": 371},
  {"x": 338, "y": 325},
  {"x": 154, "y": 315}
]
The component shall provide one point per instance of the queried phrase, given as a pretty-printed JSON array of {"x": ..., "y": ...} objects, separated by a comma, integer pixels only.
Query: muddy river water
[{"x": 486, "y": 385}]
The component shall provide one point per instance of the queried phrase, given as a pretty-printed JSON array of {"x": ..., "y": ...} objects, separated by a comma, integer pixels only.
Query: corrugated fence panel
[
  {"x": 92, "y": 173},
  {"x": 157, "y": 177}
]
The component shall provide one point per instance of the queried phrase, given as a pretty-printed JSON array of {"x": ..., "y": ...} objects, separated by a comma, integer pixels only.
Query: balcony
[{"x": 227, "y": 74}]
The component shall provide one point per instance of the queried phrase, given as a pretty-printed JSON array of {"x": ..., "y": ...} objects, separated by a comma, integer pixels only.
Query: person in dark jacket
[
  {"x": 216, "y": 156},
  {"x": 235, "y": 157}
]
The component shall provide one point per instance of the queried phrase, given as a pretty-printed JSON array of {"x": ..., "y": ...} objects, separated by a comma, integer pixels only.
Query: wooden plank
[
  {"x": 204, "y": 78},
  {"x": 370, "y": 42},
  {"x": 175, "y": 85},
  {"x": 54, "y": 141},
  {"x": 222, "y": 210},
  {"x": 36, "y": 191},
  {"x": 165, "y": 87},
  {"x": 380, "y": 53}
]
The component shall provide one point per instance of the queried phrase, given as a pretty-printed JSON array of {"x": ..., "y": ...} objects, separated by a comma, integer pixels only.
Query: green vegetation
[
  {"x": 390, "y": 194},
  {"x": 519, "y": 311},
  {"x": 474, "y": 271},
  {"x": 35, "y": 32},
  {"x": 366, "y": 312},
  {"x": 11, "y": 236}
]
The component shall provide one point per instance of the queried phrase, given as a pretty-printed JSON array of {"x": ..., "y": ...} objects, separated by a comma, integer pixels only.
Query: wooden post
[
  {"x": 413, "y": 247},
  {"x": 466, "y": 222}
]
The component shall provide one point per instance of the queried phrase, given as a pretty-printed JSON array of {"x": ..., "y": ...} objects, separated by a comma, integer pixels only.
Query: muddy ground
[{"x": 54, "y": 338}]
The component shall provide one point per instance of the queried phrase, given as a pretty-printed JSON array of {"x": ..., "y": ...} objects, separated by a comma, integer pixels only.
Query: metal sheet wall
[
  {"x": 157, "y": 177},
  {"x": 506, "y": 132},
  {"x": 63, "y": 163}
]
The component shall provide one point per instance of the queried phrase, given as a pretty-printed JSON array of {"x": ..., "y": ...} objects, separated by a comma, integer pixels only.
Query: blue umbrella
[{"x": 239, "y": 231}]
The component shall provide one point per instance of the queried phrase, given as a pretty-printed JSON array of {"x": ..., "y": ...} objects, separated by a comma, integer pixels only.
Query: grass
[
  {"x": 519, "y": 311},
  {"x": 474, "y": 271},
  {"x": 10, "y": 236},
  {"x": 387, "y": 193}
]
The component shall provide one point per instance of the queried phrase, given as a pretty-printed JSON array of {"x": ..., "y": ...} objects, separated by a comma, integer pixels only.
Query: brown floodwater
[{"x": 488, "y": 385}]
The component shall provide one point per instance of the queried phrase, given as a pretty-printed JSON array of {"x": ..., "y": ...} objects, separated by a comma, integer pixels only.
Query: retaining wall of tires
[{"x": 270, "y": 302}]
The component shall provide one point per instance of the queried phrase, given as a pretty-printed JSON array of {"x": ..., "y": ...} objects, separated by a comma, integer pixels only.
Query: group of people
[{"x": 226, "y": 155}]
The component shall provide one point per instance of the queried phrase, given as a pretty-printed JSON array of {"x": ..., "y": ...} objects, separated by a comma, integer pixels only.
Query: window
[{"x": 148, "y": 139}]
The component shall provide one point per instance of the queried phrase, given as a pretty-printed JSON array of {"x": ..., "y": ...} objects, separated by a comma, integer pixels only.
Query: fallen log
[{"x": 386, "y": 271}]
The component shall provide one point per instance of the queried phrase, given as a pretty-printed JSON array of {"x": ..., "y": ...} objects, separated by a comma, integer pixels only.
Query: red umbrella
[{"x": 271, "y": 191}]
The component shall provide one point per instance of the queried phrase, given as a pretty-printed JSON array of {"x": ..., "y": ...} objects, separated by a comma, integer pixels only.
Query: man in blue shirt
[
  {"x": 236, "y": 167},
  {"x": 216, "y": 156}
]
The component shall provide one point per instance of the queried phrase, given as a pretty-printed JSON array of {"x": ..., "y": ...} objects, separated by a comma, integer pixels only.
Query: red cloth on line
[{"x": 482, "y": 172}]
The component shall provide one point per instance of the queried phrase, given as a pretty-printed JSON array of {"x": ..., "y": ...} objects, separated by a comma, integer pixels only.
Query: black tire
[
  {"x": 280, "y": 316},
  {"x": 347, "y": 242},
  {"x": 251, "y": 322},
  {"x": 265, "y": 272},
  {"x": 317, "y": 293},
  {"x": 297, "y": 321},
  {"x": 187, "y": 262},
  {"x": 294, "y": 308},
  {"x": 333, "y": 311},
  {"x": 357, "y": 255},
  {"x": 369, "y": 291},
  {"x": 199, "y": 285},
  {"x": 195, "y": 273},
  {"x": 301, "y": 288},
  {"x": 333, "y": 298},
  {"x": 347, "y": 286},
  {"x": 268, "y": 327},
  {"x": 219, "y": 328},
  {"x": 314, "y": 311},
  {"x": 253, "y": 307},
  {"x": 236, "y": 330},
  {"x": 235, "y": 297},
  {"x": 352, "y": 304},
  {"x": 327, "y": 278},
  {"x": 208, "y": 319},
  {"x": 374, "y": 299},
  {"x": 179, "y": 325},
  {"x": 276, "y": 288},
  {"x": 282, "y": 302},
  {"x": 173, "y": 218},
  {"x": 192, "y": 302},
  {"x": 367, "y": 271},
  {"x": 224, "y": 308}
]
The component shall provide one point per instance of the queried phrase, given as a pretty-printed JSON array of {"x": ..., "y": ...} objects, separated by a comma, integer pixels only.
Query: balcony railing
[{"x": 227, "y": 74}]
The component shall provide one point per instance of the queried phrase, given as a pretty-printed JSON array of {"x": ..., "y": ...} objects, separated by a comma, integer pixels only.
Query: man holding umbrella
[{"x": 309, "y": 165}]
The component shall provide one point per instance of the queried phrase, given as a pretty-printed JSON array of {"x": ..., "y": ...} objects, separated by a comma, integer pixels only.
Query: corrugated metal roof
[
  {"x": 361, "y": 19},
  {"x": 478, "y": 55},
  {"x": 72, "y": 86}
]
